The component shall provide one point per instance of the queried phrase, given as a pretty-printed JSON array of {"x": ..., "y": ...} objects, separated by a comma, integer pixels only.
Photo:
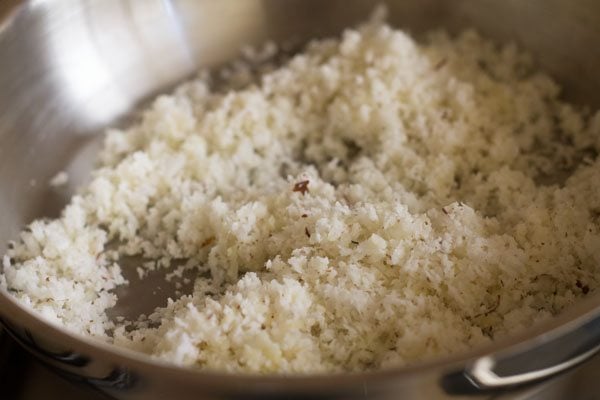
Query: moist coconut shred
[{"x": 369, "y": 202}]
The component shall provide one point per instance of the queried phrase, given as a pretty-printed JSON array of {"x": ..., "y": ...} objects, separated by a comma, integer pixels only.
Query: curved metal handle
[
  {"x": 116, "y": 379},
  {"x": 518, "y": 368},
  {"x": 482, "y": 373}
]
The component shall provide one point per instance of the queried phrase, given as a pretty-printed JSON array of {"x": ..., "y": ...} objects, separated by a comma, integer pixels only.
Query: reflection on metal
[
  {"x": 483, "y": 376},
  {"x": 72, "y": 365}
]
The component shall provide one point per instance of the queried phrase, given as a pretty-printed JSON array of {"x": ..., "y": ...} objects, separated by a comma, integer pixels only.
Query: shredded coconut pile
[{"x": 372, "y": 201}]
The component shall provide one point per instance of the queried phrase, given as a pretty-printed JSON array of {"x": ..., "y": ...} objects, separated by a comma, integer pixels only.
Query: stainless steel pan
[{"x": 69, "y": 68}]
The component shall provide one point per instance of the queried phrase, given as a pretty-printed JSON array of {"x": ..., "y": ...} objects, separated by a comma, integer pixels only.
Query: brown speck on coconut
[{"x": 301, "y": 187}]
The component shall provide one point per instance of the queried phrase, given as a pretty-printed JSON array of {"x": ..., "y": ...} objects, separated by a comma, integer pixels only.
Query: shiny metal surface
[
  {"x": 69, "y": 68},
  {"x": 483, "y": 375},
  {"x": 24, "y": 378}
]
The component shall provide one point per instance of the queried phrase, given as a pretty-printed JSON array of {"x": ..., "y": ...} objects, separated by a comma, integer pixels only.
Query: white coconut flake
[{"x": 60, "y": 179}]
